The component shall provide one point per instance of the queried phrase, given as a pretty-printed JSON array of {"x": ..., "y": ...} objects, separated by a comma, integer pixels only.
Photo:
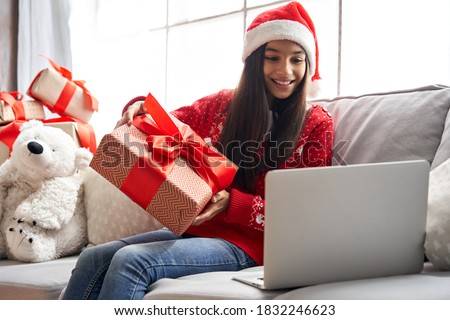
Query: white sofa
[{"x": 392, "y": 126}]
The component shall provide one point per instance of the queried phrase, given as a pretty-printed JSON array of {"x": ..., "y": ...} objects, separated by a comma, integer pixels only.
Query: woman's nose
[{"x": 284, "y": 68}]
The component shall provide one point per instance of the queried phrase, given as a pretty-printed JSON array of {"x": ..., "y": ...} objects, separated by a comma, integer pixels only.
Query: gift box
[
  {"x": 71, "y": 128},
  {"x": 82, "y": 133},
  {"x": 164, "y": 166},
  {"x": 62, "y": 95},
  {"x": 12, "y": 107}
]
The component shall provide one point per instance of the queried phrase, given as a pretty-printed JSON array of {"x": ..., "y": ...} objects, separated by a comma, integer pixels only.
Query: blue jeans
[{"x": 124, "y": 269}]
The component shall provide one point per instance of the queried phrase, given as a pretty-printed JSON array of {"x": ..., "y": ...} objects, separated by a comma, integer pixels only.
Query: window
[
  {"x": 203, "y": 57},
  {"x": 182, "y": 50},
  {"x": 390, "y": 45}
]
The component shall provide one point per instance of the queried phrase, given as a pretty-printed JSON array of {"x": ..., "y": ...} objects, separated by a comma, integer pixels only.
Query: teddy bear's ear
[
  {"x": 82, "y": 158},
  {"x": 31, "y": 124}
]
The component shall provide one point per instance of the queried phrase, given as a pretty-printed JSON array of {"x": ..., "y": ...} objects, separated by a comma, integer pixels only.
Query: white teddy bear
[{"x": 42, "y": 214}]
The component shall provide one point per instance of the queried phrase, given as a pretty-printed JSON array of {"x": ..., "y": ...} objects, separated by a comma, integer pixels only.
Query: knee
[
  {"x": 130, "y": 258},
  {"x": 98, "y": 255},
  {"x": 88, "y": 257},
  {"x": 124, "y": 256}
]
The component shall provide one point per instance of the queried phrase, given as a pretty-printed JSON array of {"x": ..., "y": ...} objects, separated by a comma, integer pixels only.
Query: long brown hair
[{"x": 248, "y": 119}]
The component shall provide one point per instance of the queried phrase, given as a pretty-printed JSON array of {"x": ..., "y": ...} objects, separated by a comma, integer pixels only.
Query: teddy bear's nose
[{"x": 35, "y": 147}]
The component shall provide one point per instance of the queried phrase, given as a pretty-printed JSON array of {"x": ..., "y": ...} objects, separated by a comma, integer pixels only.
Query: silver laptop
[{"x": 342, "y": 223}]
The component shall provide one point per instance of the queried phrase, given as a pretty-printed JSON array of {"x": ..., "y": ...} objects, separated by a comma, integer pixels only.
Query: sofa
[{"x": 380, "y": 127}]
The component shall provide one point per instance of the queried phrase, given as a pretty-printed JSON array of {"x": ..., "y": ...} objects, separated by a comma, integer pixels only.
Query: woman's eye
[
  {"x": 271, "y": 58},
  {"x": 297, "y": 60}
]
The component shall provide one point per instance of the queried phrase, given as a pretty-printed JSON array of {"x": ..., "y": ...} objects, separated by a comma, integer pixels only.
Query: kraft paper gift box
[
  {"x": 163, "y": 166},
  {"x": 62, "y": 95},
  {"x": 12, "y": 107}
]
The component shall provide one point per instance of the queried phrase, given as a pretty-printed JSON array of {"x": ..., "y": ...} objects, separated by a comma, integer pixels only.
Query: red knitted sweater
[{"x": 243, "y": 222}]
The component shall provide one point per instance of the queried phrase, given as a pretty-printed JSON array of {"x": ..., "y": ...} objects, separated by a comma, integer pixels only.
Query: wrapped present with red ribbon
[
  {"x": 13, "y": 107},
  {"x": 163, "y": 166},
  {"x": 81, "y": 132},
  {"x": 56, "y": 89}
]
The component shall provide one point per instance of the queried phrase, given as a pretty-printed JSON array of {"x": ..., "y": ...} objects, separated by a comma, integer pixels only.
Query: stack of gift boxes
[
  {"x": 159, "y": 162},
  {"x": 52, "y": 88}
]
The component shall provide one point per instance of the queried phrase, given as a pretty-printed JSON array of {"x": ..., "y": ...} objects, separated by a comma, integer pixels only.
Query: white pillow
[
  {"x": 437, "y": 241},
  {"x": 111, "y": 214}
]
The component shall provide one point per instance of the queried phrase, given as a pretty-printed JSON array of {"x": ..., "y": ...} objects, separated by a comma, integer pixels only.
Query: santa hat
[{"x": 288, "y": 22}]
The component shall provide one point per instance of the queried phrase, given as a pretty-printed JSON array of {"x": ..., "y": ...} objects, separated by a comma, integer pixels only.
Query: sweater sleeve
[
  {"x": 318, "y": 149},
  {"x": 132, "y": 101},
  {"x": 245, "y": 209}
]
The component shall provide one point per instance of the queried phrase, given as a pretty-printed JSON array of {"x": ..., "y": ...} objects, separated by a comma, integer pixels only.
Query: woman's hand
[
  {"x": 132, "y": 111},
  {"x": 218, "y": 203}
]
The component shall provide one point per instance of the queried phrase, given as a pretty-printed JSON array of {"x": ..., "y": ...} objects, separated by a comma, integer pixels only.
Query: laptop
[{"x": 342, "y": 223}]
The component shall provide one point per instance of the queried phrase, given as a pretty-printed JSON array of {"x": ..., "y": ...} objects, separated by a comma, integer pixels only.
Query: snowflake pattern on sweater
[{"x": 257, "y": 215}]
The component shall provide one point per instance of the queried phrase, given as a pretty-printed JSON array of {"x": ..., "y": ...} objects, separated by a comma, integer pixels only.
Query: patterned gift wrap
[
  {"x": 12, "y": 108},
  {"x": 146, "y": 163},
  {"x": 121, "y": 159}
]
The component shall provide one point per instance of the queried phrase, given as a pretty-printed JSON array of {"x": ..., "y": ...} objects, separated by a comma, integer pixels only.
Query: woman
[{"x": 263, "y": 125}]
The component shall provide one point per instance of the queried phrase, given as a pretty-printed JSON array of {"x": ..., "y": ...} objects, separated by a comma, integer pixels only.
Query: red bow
[{"x": 169, "y": 138}]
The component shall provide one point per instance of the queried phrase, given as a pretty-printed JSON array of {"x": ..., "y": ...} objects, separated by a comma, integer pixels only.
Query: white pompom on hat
[{"x": 288, "y": 22}]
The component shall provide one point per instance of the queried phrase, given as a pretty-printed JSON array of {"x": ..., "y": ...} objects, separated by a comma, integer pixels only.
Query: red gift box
[
  {"x": 163, "y": 166},
  {"x": 62, "y": 95},
  {"x": 12, "y": 107}
]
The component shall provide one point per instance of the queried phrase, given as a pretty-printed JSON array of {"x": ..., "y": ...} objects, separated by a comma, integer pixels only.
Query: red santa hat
[{"x": 288, "y": 22}]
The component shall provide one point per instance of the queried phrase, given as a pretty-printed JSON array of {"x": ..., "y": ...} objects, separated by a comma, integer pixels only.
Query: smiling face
[{"x": 284, "y": 67}]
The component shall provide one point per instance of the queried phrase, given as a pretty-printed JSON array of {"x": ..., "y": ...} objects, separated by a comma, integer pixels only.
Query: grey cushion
[
  {"x": 34, "y": 281},
  {"x": 443, "y": 152},
  {"x": 425, "y": 286},
  {"x": 437, "y": 240},
  {"x": 429, "y": 284},
  {"x": 208, "y": 286},
  {"x": 393, "y": 126}
]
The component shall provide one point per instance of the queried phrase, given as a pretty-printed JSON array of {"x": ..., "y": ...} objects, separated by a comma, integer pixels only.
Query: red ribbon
[
  {"x": 14, "y": 100},
  {"x": 169, "y": 138},
  {"x": 68, "y": 90},
  {"x": 9, "y": 133}
]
